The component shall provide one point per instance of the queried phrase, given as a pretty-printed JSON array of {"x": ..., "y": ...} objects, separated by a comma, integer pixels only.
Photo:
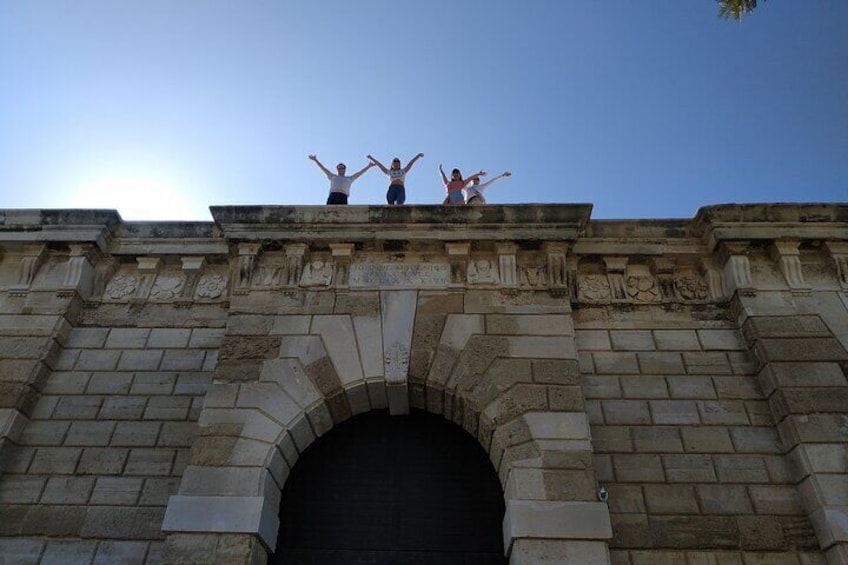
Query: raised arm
[
  {"x": 320, "y": 166},
  {"x": 411, "y": 162},
  {"x": 475, "y": 176},
  {"x": 444, "y": 177},
  {"x": 379, "y": 164},
  {"x": 359, "y": 174},
  {"x": 493, "y": 179}
]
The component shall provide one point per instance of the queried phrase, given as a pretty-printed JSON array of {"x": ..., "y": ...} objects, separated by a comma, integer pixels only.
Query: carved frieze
[
  {"x": 167, "y": 287},
  {"x": 691, "y": 287},
  {"x": 317, "y": 273},
  {"x": 400, "y": 275},
  {"x": 211, "y": 286},
  {"x": 593, "y": 288},
  {"x": 121, "y": 287},
  {"x": 482, "y": 271}
]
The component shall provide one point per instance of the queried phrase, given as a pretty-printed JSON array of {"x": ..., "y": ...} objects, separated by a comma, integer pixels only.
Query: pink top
[{"x": 456, "y": 185}]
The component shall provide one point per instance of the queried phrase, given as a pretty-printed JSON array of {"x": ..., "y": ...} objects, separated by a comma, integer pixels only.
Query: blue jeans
[
  {"x": 337, "y": 198},
  {"x": 456, "y": 198},
  {"x": 396, "y": 194}
]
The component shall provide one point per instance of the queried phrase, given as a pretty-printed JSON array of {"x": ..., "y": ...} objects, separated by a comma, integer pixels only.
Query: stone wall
[{"x": 647, "y": 391}]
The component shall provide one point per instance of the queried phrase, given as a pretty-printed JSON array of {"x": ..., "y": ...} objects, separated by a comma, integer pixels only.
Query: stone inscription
[{"x": 395, "y": 275}]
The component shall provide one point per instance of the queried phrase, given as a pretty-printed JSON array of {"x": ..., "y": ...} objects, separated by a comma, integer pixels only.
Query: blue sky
[{"x": 649, "y": 109}]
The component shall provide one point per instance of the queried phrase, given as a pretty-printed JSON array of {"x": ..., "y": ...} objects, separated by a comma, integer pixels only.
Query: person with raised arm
[
  {"x": 339, "y": 184},
  {"x": 456, "y": 185},
  {"x": 396, "y": 194},
  {"x": 474, "y": 192}
]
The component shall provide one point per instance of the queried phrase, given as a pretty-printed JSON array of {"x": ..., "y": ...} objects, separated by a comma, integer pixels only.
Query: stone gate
[{"x": 647, "y": 391}]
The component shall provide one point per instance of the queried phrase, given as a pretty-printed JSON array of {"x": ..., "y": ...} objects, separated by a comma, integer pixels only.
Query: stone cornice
[
  {"x": 421, "y": 223},
  {"x": 748, "y": 222}
]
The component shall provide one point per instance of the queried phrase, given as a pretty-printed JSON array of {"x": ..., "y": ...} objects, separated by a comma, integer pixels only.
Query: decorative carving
[
  {"x": 317, "y": 273},
  {"x": 593, "y": 287},
  {"x": 396, "y": 363},
  {"x": 481, "y": 272},
  {"x": 507, "y": 267},
  {"x": 615, "y": 273},
  {"x": 691, "y": 287},
  {"x": 121, "y": 286},
  {"x": 458, "y": 254},
  {"x": 295, "y": 255},
  {"x": 535, "y": 276},
  {"x": 30, "y": 263},
  {"x": 342, "y": 254},
  {"x": 167, "y": 287},
  {"x": 211, "y": 286},
  {"x": 642, "y": 288}
]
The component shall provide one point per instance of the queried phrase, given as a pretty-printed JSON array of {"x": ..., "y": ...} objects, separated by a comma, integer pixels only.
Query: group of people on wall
[{"x": 459, "y": 190}]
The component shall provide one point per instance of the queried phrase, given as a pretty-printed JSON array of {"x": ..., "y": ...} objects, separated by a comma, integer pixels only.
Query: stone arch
[
  {"x": 507, "y": 375},
  {"x": 424, "y": 484}
]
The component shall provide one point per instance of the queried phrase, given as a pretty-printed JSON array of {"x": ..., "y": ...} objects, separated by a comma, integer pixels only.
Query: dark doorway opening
[{"x": 383, "y": 489}]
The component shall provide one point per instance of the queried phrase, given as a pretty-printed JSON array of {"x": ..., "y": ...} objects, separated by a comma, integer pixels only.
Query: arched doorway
[{"x": 383, "y": 489}]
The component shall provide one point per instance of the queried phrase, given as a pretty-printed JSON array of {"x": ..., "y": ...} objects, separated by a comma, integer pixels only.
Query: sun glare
[{"x": 137, "y": 199}]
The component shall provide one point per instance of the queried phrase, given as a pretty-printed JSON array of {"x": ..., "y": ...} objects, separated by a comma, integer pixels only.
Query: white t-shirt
[
  {"x": 340, "y": 183},
  {"x": 473, "y": 190}
]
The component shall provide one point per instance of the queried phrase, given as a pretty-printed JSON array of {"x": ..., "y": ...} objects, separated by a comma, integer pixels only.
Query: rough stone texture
[{"x": 638, "y": 356}]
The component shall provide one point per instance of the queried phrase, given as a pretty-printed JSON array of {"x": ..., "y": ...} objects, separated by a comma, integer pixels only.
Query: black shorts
[{"x": 337, "y": 198}]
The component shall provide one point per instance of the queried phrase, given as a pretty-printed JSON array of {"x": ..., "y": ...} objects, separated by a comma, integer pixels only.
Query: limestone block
[
  {"x": 167, "y": 408},
  {"x": 127, "y": 338},
  {"x": 706, "y": 440},
  {"x": 671, "y": 499},
  {"x": 459, "y": 328},
  {"x": 123, "y": 552},
  {"x": 225, "y": 514},
  {"x": 674, "y": 412},
  {"x": 67, "y": 490},
  {"x": 542, "y": 347},
  {"x": 193, "y": 383},
  {"x": 756, "y": 440},
  {"x": 779, "y": 375},
  {"x": 183, "y": 360},
  {"x": 677, "y": 340},
  {"x": 741, "y": 469},
  {"x": 116, "y": 491},
  {"x": 270, "y": 399},
  {"x": 77, "y": 408},
  {"x": 660, "y": 363},
  {"x": 629, "y": 412},
  {"x": 638, "y": 468},
  {"x": 169, "y": 338},
  {"x": 820, "y": 458},
  {"x": 155, "y": 461},
  {"x": 157, "y": 490},
  {"x": 719, "y": 532},
  {"x": 339, "y": 338},
  {"x": 531, "y": 552},
  {"x": 775, "y": 499},
  {"x": 827, "y": 489},
  {"x": 306, "y": 348},
  {"x": 148, "y": 384},
  {"x": 691, "y": 387},
  {"x": 557, "y": 425},
  {"x": 724, "y": 340},
  {"x": 290, "y": 377},
  {"x": 519, "y": 399},
  {"x": 107, "y": 383},
  {"x": 724, "y": 499},
  {"x": 722, "y": 412},
  {"x": 607, "y": 363},
  {"x": 831, "y": 525},
  {"x": 632, "y": 340},
  {"x": 556, "y": 371},
  {"x": 97, "y": 360},
  {"x": 357, "y": 398},
  {"x": 398, "y": 398},
  {"x": 369, "y": 338},
  {"x": 123, "y": 407},
  {"x": 65, "y": 361},
  {"x": 657, "y": 439},
  {"x": 228, "y": 481},
  {"x": 12, "y": 423},
  {"x": 90, "y": 433},
  {"x": 689, "y": 469},
  {"x": 21, "y": 551},
  {"x": 206, "y": 338},
  {"x": 61, "y": 551},
  {"x": 377, "y": 395},
  {"x": 133, "y": 434},
  {"x": 102, "y": 461},
  {"x": 211, "y": 548},
  {"x": 710, "y": 363},
  {"x": 643, "y": 386},
  {"x": 21, "y": 489},
  {"x": 523, "y": 324},
  {"x": 536, "y": 519},
  {"x": 800, "y": 349},
  {"x": 593, "y": 340},
  {"x": 123, "y": 523}
]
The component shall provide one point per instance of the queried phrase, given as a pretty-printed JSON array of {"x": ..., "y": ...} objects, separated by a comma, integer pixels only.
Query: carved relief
[
  {"x": 394, "y": 275},
  {"x": 167, "y": 287},
  {"x": 593, "y": 288},
  {"x": 121, "y": 286},
  {"x": 396, "y": 363},
  {"x": 211, "y": 286},
  {"x": 642, "y": 288},
  {"x": 481, "y": 271},
  {"x": 691, "y": 287},
  {"x": 268, "y": 276},
  {"x": 535, "y": 276},
  {"x": 317, "y": 273}
]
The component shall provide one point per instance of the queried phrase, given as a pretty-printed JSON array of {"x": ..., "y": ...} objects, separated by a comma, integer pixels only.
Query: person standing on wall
[
  {"x": 339, "y": 184},
  {"x": 397, "y": 175},
  {"x": 456, "y": 185},
  {"x": 474, "y": 193}
]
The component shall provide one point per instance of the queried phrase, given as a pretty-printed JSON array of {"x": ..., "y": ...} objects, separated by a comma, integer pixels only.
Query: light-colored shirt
[
  {"x": 397, "y": 174},
  {"x": 473, "y": 190},
  {"x": 340, "y": 183}
]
